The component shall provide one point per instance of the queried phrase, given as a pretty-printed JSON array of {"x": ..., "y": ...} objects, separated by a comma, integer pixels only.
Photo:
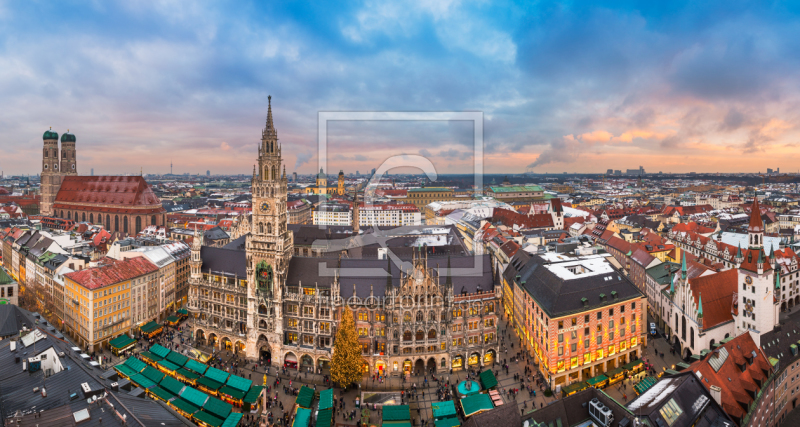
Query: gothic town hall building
[{"x": 414, "y": 313}]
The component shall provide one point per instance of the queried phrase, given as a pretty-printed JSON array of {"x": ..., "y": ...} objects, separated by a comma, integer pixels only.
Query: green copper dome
[
  {"x": 49, "y": 134},
  {"x": 67, "y": 137}
]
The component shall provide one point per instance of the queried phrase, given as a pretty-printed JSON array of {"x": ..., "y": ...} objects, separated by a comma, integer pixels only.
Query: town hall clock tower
[{"x": 269, "y": 247}]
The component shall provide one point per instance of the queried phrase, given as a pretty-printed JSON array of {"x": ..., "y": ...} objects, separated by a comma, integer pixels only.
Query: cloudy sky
[{"x": 571, "y": 86}]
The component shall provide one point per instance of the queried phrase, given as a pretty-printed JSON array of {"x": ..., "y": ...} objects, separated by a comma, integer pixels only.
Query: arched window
[
  {"x": 91, "y": 218},
  {"x": 420, "y": 335},
  {"x": 419, "y": 316},
  {"x": 269, "y": 228},
  {"x": 116, "y": 222},
  {"x": 69, "y": 215},
  {"x": 153, "y": 220},
  {"x": 395, "y": 335},
  {"x": 432, "y": 316},
  {"x": 407, "y": 336},
  {"x": 124, "y": 224},
  {"x": 138, "y": 224},
  {"x": 407, "y": 317},
  {"x": 83, "y": 217},
  {"x": 261, "y": 228},
  {"x": 691, "y": 338},
  {"x": 108, "y": 222},
  {"x": 431, "y": 334}
]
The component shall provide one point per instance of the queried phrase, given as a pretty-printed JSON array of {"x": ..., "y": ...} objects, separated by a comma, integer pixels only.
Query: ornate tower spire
[
  {"x": 683, "y": 267},
  {"x": 700, "y": 306},
  {"x": 269, "y": 127}
]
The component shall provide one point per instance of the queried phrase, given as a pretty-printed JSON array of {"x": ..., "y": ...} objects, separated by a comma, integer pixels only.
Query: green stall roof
[
  {"x": 194, "y": 396},
  {"x": 232, "y": 420},
  {"x": 302, "y": 417},
  {"x": 150, "y": 356},
  {"x": 326, "y": 399},
  {"x": 121, "y": 341},
  {"x": 443, "y": 409},
  {"x": 239, "y": 383},
  {"x": 207, "y": 418},
  {"x": 217, "y": 375},
  {"x": 209, "y": 383},
  {"x": 217, "y": 407},
  {"x": 597, "y": 380},
  {"x": 397, "y": 424},
  {"x": 149, "y": 327},
  {"x": 169, "y": 365},
  {"x": 476, "y": 403},
  {"x": 183, "y": 311},
  {"x": 304, "y": 397},
  {"x": 135, "y": 364},
  {"x": 172, "y": 319},
  {"x": 142, "y": 381},
  {"x": 125, "y": 370},
  {"x": 153, "y": 374},
  {"x": 159, "y": 350},
  {"x": 488, "y": 379},
  {"x": 396, "y": 413},
  {"x": 324, "y": 418},
  {"x": 252, "y": 395},
  {"x": 163, "y": 394},
  {"x": 614, "y": 372},
  {"x": 172, "y": 385},
  {"x": 632, "y": 365},
  {"x": 187, "y": 374},
  {"x": 177, "y": 358},
  {"x": 195, "y": 366},
  {"x": 232, "y": 392},
  {"x": 574, "y": 387},
  {"x": 184, "y": 406}
]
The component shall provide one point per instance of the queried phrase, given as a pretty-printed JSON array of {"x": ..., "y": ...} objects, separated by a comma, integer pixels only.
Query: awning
[
  {"x": 142, "y": 381},
  {"x": 217, "y": 375},
  {"x": 183, "y": 311},
  {"x": 189, "y": 375},
  {"x": 324, "y": 418},
  {"x": 135, "y": 364},
  {"x": 614, "y": 372},
  {"x": 162, "y": 394},
  {"x": 681, "y": 366},
  {"x": 208, "y": 419},
  {"x": 209, "y": 383},
  {"x": 239, "y": 383},
  {"x": 125, "y": 370},
  {"x": 597, "y": 380},
  {"x": 168, "y": 365},
  {"x": 153, "y": 374},
  {"x": 326, "y": 399},
  {"x": 159, "y": 350},
  {"x": 644, "y": 385},
  {"x": 231, "y": 392},
  {"x": 184, "y": 406},
  {"x": 177, "y": 358},
  {"x": 122, "y": 342},
  {"x": 304, "y": 397},
  {"x": 150, "y": 356},
  {"x": 194, "y": 396},
  {"x": 574, "y": 388},
  {"x": 488, "y": 379},
  {"x": 476, "y": 403},
  {"x": 173, "y": 319},
  {"x": 172, "y": 385}
]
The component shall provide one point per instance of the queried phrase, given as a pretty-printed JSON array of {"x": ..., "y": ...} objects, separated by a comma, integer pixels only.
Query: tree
[{"x": 347, "y": 361}]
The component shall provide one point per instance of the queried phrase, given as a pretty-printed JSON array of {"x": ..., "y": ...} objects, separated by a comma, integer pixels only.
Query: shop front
[
  {"x": 407, "y": 366},
  {"x": 474, "y": 359},
  {"x": 121, "y": 344},
  {"x": 458, "y": 362},
  {"x": 290, "y": 361},
  {"x": 488, "y": 358}
]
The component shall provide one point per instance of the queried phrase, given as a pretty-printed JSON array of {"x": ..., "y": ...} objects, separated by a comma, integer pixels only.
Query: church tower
[
  {"x": 51, "y": 175},
  {"x": 757, "y": 303},
  {"x": 68, "y": 162},
  {"x": 269, "y": 245}
]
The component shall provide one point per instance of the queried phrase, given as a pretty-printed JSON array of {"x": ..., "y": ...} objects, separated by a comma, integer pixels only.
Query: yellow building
[
  {"x": 98, "y": 299},
  {"x": 420, "y": 197},
  {"x": 321, "y": 185}
]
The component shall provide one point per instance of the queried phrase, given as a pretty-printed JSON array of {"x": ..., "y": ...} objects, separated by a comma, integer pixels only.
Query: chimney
[{"x": 716, "y": 393}]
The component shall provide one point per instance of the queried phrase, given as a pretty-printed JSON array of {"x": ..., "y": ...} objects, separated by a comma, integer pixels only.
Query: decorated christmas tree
[{"x": 347, "y": 361}]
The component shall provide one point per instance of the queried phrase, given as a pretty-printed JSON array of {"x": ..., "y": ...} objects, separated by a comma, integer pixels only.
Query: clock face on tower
[
  {"x": 264, "y": 207},
  {"x": 749, "y": 280}
]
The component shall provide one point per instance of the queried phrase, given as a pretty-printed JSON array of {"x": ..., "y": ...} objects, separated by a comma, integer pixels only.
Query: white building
[{"x": 383, "y": 215}]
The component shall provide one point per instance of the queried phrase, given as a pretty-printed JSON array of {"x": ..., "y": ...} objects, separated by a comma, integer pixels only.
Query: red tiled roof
[
  {"x": 111, "y": 271},
  {"x": 717, "y": 291},
  {"x": 510, "y": 248},
  {"x": 511, "y": 218},
  {"x": 619, "y": 244},
  {"x": 107, "y": 190},
  {"x": 734, "y": 383}
]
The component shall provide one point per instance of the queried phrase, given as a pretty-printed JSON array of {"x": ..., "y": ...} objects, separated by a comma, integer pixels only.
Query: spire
[
  {"x": 777, "y": 276},
  {"x": 756, "y": 225},
  {"x": 739, "y": 251},
  {"x": 772, "y": 254},
  {"x": 700, "y": 306},
  {"x": 449, "y": 281},
  {"x": 269, "y": 114},
  {"x": 683, "y": 267}
]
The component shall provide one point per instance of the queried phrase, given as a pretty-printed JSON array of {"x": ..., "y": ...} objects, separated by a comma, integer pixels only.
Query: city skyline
[{"x": 562, "y": 88}]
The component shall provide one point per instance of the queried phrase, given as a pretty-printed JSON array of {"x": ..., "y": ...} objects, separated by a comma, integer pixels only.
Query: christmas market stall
[
  {"x": 130, "y": 367},
  {"x": 252, "y": 400},
  {"x": 121, "y": 344},
  {"x": 444, "y": 414},
  {"x": 574, "y": 388},
  {"x": 615, "y": 375},
  {"x": 191, "y": 371},
  {"x": 212, "y": 381},
  {"x": 235, "y": 389},
  {"x": 396, "y": 416},
  {"x": 305, "y": 397},
  {"x": 151, "y": 329},
  {"x": 488, "y": 379},
  {"x": 475, "y": 404},
  {"x": 598, "y": 382},
  {"x": 172, "y": 320},
  {"x": 301, "y": 417}
]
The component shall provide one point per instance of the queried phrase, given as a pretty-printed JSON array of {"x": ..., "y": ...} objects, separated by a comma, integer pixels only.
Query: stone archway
[
  {"x": 419, "y": 366},
  {"x": 238, "y": 347},
  {"x": 290, "y": 360},
  {"x": 226, "y": 344},
  {"x": 431, "y": 365},
  {"x": 686, "y": 353},
  {"x": 306, "y": 361},
  {"x": 212, "y": 340},
  {"x": 783, "y": 306}
]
